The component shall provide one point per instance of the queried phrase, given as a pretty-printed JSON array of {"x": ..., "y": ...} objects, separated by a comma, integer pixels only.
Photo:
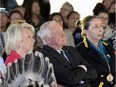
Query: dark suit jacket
[
  {"x": 96, "y": 60},
  {"x": 68, "y": 73}
]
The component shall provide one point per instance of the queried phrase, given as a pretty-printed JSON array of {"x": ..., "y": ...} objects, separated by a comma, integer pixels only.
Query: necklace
[{"x": 109, "y": 76}]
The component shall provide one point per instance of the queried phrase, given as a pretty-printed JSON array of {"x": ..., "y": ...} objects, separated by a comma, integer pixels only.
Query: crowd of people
[{"x": 39, "y": 49}]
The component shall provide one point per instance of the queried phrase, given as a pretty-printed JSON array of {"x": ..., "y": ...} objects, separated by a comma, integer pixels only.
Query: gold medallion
[{"x": 110, "y": 77}]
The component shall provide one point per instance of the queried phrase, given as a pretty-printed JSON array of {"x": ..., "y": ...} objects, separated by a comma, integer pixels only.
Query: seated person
[
  {"x": 19, "y": 40},
  {"x": 97, "y": 53},
  {"x": 70, "y": 69}
]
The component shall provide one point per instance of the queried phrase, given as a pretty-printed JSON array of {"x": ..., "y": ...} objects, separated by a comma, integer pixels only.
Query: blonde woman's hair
[{"x": 13, "y": 35}]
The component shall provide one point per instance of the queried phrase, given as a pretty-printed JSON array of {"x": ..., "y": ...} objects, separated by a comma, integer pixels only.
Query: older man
[{"x": 69, "y": 67}]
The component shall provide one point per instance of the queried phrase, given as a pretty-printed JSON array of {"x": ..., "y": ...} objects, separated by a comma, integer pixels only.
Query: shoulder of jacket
[{"x": 104, "y": 43}]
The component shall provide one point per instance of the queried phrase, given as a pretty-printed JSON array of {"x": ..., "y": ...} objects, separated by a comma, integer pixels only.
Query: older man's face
[{"x": 58, "y": 38}]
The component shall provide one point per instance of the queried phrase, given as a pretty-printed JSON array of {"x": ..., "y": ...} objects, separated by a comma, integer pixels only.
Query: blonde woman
[{"x": 18, "y": 41}]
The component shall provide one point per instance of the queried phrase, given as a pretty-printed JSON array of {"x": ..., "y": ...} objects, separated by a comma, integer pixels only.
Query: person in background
[
  {"x": 104, "y": 16},
  {"x": 107, "y": 3},
  {"x": 74, "y": 25},
  {"x": 58, "y": 18},
  {"x": 4, "y": 23},
  {"x": 1, "y": 43},
  {"x": 14, "y": 16},
  {"x": 2, "y": 68},
  {"x": 21, "y": 9},
  {"x": 112, "y": 12},
  {"x": 112, "y": 24},
  {"x": 33, "y": 14},
  {"x": 8, "y": 4},
  {"x": 65, "y": 10},
  {"x": 69, "y": 67},
  {"x": 98, "y": 8},
  {"x": 114, "y": 41},
  {"x": 11, "y": 4},
  {"x": 44, "y": 6},
  {"x": 97, "y": 53},
  {"x": 112, "y": 8},
  {"x": 3, "y": 3},
  {"x": 4, "y": 19},
  {"x": 19, "y": 41}
]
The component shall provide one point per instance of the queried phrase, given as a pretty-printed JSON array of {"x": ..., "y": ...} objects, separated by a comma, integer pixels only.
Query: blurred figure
[
  {"x": 104, "y": 16},
  {"x": 98, "y": 8},
  {"x": 11, "y": 4},
  {"x": 4, "y": 21},
  {"x": 107, "y": 3},
  {"x": 33, "y": 14},
  {"x": 8, "y": 4},
  {"x": 45, "y": 7},
  {"x": 1, "y": 43},
  {"x": 3, "y": 3},
  {"x": 74, "y": 25},
  {"x": 69, "y": 67},
  {"x": 114, "y": 41},
  {"x": 18, "y": 41},
  {"x": 97, "y": 53},
  {"x": 21, "y": 9},
  {"x": 112, "y": 24},
  {"x": 65, "y": 10},
  {"x": 15, "y": 15},
  {"x": 112, "y": 13},
  {"x": 30, "y": 71},
  {"x": 112, "y": 8},
  {"x": 59, "y": 19},
  {"x": 2, "y": 68}
]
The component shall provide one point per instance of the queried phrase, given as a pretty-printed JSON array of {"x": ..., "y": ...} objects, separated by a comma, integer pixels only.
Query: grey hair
[
  {"x": 13, "y": 35},
  {"x": 45, "y": 31},
  {"x": 69, "y": 6}
]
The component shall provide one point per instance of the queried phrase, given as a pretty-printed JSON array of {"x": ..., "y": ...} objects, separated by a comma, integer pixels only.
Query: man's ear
[{"x": 47, "y": 39}]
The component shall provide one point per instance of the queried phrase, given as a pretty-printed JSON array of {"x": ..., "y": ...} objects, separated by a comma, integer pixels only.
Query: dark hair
[
  {"x": 56, "y": 14},
  {"x": 28, "y": 11},
  {"x": 104, "y": 11},
  {"x": 98, "y": 8},
  {"x": 114, "y": 2},
  {"x": 72, "y": 13}
]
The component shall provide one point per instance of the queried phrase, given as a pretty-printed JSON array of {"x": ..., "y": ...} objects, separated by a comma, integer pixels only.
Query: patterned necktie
[{"x": 64, "y": 54}]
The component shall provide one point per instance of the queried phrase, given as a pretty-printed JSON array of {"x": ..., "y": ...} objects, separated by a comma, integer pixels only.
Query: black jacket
[
  {"x": 68, "y": 73},
  {"x": 96, "y": 60}
]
